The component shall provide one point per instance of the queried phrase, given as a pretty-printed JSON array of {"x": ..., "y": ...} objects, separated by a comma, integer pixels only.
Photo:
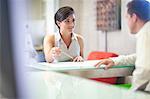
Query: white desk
[
  {"x": 52, "y": 85},
  {"x": 84, "y": 69}
]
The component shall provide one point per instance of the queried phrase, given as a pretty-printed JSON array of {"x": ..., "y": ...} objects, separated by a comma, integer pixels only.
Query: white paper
[
  {"x": 70, "y": 64},
  {"x": 67, "y": 65}
]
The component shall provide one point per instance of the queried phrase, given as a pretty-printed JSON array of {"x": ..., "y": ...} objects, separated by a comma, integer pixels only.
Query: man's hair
[{"x": 141, "y": 8}]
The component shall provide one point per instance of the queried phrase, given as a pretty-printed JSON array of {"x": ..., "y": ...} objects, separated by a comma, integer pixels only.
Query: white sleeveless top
[{"x": 73, "y": 50}]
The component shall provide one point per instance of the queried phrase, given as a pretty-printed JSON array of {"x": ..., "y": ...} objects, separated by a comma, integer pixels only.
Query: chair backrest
[{"x": 97, "y": 55}]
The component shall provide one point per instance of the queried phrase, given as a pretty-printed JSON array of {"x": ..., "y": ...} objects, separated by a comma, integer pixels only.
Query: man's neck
[{"x": 139, "y": 25}]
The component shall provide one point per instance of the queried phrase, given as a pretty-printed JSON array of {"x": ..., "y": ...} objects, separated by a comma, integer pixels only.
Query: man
[{"x": 138, "y": 16}]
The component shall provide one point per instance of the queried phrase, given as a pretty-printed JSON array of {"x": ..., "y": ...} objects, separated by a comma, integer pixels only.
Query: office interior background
[{"x": 41, "y": 21}]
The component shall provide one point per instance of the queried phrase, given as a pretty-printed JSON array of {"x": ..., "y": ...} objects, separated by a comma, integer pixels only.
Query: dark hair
[
  {"x": 141, "y": 8},
  {"x": 62, "y": 14}
]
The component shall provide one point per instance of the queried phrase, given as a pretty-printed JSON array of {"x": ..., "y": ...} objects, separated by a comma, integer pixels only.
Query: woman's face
[{"x": 68, "y": 24}]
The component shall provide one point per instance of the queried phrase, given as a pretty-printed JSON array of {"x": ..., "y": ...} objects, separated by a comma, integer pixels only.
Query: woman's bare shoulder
[
  {"x": 80, "y": 37},
  {"x": 49, "y": 37}
]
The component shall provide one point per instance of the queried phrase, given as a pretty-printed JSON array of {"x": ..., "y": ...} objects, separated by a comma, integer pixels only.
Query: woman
[{"x": 64, "y": 45}]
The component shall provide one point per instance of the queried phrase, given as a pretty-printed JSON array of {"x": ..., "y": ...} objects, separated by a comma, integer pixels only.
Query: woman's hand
[
  {"x": 55, "y": 52},
  {"x": 78, "y": 59}
]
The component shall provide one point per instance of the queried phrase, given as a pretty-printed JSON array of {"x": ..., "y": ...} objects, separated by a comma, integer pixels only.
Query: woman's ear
[{"x": 58, "y": 23}]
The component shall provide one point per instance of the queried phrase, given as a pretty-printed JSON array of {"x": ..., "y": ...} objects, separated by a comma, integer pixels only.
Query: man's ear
[
  {"x": 58, "y": 23},
  {"x": 134, "y": 17}
]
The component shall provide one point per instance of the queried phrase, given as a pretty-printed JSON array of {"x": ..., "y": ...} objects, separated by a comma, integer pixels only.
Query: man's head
[{"x": 138, "y": 13}]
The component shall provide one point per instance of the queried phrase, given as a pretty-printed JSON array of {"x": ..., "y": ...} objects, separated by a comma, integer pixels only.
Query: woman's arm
[
  {"x": 81, "y": 43},
  {"x": 48, "y": 44},
  {"x": 80, "y": 58}
]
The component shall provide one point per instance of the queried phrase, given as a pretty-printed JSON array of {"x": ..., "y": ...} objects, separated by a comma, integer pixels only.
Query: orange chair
[{"x": 97, "y": 55}]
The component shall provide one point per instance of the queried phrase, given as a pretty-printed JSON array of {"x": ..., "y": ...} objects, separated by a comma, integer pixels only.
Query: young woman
[{"x": 64, "y": 45}]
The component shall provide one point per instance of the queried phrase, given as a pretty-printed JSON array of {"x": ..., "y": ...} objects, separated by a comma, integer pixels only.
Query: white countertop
[{"x": 52, "y": 85}]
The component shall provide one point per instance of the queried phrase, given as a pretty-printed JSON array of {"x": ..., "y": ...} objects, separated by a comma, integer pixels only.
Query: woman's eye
[
  {"x": 73, "y": 20},
  {"x": 66, "y": 21}
]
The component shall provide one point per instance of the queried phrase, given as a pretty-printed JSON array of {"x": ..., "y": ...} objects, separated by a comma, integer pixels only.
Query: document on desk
[
  {"x": 67, "y": 65},
  {"x": 60, "y": 66}
]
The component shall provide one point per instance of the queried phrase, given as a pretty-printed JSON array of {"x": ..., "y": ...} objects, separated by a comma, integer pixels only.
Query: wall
[
  {"x": 77, "y": 6},
  {"x": 36, "y": 21},
  {"x": 40, "y": 19}
]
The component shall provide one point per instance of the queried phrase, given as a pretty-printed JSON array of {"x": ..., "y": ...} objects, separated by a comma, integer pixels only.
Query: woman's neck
[
  {"x": 66, "y": 38},
  {"x": 65, "y": 35}
]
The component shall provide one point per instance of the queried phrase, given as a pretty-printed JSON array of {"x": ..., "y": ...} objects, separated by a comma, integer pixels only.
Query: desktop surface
[
  {"x": 84, "y": 69},
  {"x": 52, "y": 85}
]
